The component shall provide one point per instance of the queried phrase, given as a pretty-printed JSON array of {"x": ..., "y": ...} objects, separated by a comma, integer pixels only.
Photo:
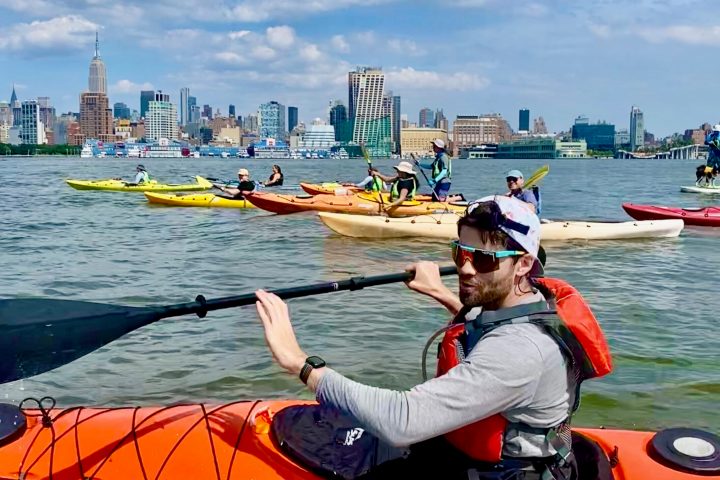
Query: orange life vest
[{"x": 577, "y": 332}]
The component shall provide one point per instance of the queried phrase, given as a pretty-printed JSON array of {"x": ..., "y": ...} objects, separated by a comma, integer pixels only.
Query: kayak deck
[
  {"x": 121, "y": 186},
  {"x": 444, "y": 227},
  {"x": 196, "y": 200},
  {"x": 703, "y": 216},
  {"x": 231, "y": 441}
]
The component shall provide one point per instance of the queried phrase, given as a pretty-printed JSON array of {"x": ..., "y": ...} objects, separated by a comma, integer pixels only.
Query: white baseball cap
[
  {"x": 243, "y": 171},
  {"x": 438, "y": 142},
  {"x": 716, "y": 128},
  {"x": 519, "y": 223}
]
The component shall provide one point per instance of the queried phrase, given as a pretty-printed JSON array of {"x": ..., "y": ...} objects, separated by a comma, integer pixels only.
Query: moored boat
[
  {"x": 444, "y": 227},
  {"x": 249, "y": 440},
  {"x": 701, "y": 216}
]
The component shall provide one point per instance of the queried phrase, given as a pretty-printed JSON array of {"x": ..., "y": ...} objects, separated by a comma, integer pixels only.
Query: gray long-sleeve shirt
[{"x": 517, "y": 370}]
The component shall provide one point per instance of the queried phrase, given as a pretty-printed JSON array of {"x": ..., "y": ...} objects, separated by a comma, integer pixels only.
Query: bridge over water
[{"x": 690, "y": 152}]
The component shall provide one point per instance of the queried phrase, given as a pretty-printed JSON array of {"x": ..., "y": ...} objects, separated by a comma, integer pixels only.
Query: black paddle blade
[{"x": 38, "y": 335}]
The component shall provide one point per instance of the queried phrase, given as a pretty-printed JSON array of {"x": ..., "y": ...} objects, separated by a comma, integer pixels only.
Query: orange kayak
[
  {"x": 359, "y": 204},
  {"x": 234, "y": 441}
]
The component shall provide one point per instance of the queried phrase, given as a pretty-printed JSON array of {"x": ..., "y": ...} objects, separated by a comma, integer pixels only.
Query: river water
[{"x": 657, "y": 300}]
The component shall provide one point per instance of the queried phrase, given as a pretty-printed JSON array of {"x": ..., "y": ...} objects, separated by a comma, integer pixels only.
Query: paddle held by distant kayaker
[{"x": 509, "y": 369}]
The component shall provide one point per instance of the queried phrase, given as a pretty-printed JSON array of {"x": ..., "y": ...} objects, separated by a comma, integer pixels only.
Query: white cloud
[
  {"x": 280, "y": 37},
  {"x": 424, "y": 79},
  {"x": 230, "y": 58},
  {"x": 693, "y": 35},
  {"x": 71, "y": 32},
  {"x": 310, "y": 53},
  {"x": 239, "y": 34},
  {"x": 339, "y": 43},
  {"x": 263, "y": 52},
  {"x": 602, "y": 31},
  {"x": 532, "y": 10},
  {"x": 128, "y": 86},
  {"x": 366, "y": 38},
  {"x": 406, "y": 47}
]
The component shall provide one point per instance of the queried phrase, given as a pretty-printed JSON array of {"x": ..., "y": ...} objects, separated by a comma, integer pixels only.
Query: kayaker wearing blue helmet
[
  {"x": 506, "y": 382},
  {"x": 515, "y": 183}
]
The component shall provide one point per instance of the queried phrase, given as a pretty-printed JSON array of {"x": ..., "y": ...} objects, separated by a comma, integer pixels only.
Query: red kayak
[
  {"x": 705, "y": 217},
  {"x": 276, "y": 440}
]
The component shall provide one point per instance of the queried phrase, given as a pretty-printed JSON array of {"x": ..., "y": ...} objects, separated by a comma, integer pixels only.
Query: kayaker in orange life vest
[{"x": 505, "y": 387}]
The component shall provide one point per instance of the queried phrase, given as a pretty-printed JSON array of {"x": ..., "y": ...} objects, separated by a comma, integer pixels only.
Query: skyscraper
[
  {"x": 47, "y": 113},
  {"x": 33, "y": 130},
  {"x": 97, "y": 80},
  {"x": 193, "y": 110},
  {"x": 339, "y": 120},
  {"x": 426, "y": 118},
  {"x": 370, "y": 123},
  {"x": 524, "y": 120},
  {"x": 231, "y": 111},
  {"x": 292, "y": 118},
  {"x": 441, "y": 120},
  {"x": 121, "y": 111},
  {"x": 271, "y": 120},
  {"x": 146, "y": 96},
  {"x": 637, "y": 128},
  {"x": 16, "y": 109},
  {"x": 396, "y": 124},
  {"x": 207, "y": 111},
  {"x": 95, "y": 118},
  {"x": 184, "y": 106},
  {"x": 161, "y": 121}
]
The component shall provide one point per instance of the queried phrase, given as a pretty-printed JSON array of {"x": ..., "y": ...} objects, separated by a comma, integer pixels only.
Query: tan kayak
[{"x": 444, "y": 227}]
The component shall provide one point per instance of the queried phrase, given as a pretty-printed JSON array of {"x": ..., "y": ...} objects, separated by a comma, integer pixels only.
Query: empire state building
[{"x": 97, "y": 81}]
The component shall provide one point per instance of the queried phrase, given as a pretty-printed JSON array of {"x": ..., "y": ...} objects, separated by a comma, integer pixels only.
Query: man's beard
[{"x": 488, "y": 295}]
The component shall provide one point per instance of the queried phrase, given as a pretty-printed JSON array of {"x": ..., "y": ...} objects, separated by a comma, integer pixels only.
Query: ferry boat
[{"x": 87, "y": 151}]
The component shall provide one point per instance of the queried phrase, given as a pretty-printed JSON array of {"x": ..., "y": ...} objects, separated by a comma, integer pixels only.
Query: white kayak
[
  {"x": 444, "y": 227},
  {"x": 705, "y": 190}
]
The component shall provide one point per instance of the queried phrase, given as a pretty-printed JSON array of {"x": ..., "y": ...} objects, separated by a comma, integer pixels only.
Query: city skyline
[{"x": 558, "y": 58}]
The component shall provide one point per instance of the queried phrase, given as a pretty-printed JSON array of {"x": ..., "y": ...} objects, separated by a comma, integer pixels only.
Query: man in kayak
[
  {"x": 245, "y": 186},
  {"x": 141, "y": 176},
  {"x": 504, "y": 394},
  {"x": 440, "y": 170},
  {"x": 371, "y": 183},
  {"x": 515, "y": 183},
  {"x": 712, "y": 140},
  {"x": 403, "y": 186}
]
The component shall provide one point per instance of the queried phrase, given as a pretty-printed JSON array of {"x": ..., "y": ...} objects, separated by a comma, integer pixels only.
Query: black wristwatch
[{"x": 310, "y": 363}]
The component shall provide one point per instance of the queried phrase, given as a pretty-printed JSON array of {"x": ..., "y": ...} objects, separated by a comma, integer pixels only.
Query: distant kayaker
[
  {"x": 712, "y": 140},
  {"x": 403, "y": 186},
  {"x": 440, "y": 170},
  {"x": 371, "y": 183},
  {"x": 245, "y": 186},
  {"x": 141, "y": 176},
  {"x": 506, "y": 382},
  {"x": 515, "y": 183},
  {"x": 276, "y": 177}
]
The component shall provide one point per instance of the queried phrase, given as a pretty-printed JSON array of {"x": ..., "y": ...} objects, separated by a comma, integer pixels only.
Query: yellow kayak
[
  {"x": 121, "y": 186},
  {"x": 196, "y": 200}
]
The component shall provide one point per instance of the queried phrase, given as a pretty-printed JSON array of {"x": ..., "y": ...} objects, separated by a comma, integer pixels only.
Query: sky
[{"x": 558, "y": 58}]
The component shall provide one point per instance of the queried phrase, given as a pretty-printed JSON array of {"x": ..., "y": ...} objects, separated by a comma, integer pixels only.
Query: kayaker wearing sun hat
[
  {"x": 244, "y": 187},
  {"x": 402, "y": 186},
  {"x": 509, "y": 366},
  {"x": 141, "y": 176},
  {"x": 440, "y": 170}
]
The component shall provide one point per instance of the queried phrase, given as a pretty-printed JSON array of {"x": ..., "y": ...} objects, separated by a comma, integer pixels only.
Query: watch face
[{"x": 315, "y": 361}]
